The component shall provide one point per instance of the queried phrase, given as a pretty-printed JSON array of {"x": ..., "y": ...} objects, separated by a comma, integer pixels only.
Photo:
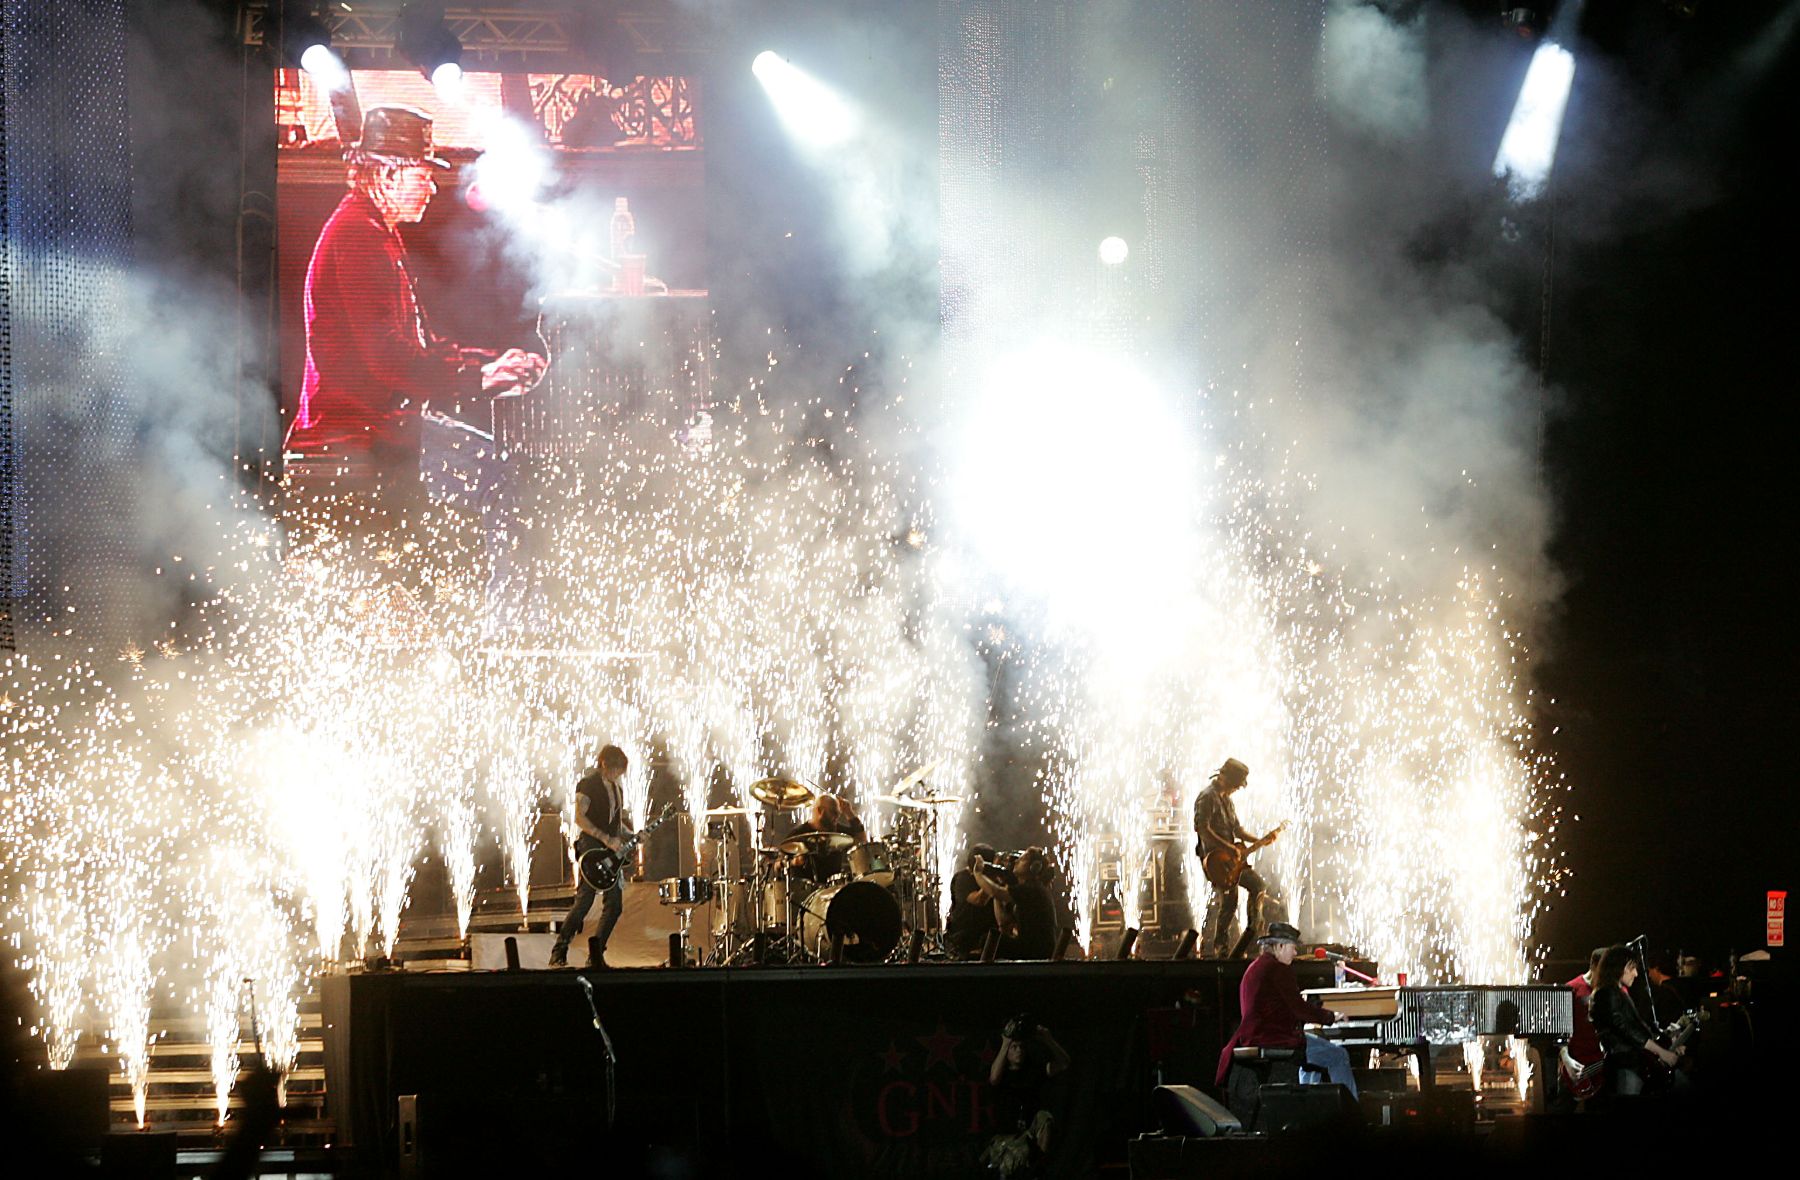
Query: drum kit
[{"x": 815, "y": 896}]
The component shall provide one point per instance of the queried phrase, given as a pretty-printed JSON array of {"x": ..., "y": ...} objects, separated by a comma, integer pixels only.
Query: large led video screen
[{"x": 431, "y": 243}]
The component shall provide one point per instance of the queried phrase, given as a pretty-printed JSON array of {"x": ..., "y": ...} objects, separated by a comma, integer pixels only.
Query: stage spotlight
[
  {"x": 815, "y": 114},
  {"x": 1529, "y": 145},
  {"x": 1113, "y": 251},
  {"x": 306, "y": 39},
  {"x": 427, "y": 42}
]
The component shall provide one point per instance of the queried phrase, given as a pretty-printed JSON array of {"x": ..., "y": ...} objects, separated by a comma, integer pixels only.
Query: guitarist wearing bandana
[
  {"x": 1224, "y": 848},
  {"x": 600, "y": 818}
]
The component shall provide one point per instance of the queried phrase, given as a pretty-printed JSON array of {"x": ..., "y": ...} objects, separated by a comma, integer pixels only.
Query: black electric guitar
[
  {"x": 1673, "y": 1038},
  {"x": 600, "y": 867}
]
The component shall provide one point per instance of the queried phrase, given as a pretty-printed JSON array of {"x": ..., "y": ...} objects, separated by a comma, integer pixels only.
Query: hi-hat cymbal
[
  {"x": 816, "y": 842},
  {"x": 728, "y": 811},
  {"x": 782, "y": 794}
]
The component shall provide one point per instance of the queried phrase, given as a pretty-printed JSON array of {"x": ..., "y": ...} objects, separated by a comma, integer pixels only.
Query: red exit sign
[{"x": 1777, "y": 917}]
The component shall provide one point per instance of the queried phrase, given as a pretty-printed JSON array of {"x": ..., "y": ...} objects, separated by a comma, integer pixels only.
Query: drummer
[{"x": 829, "y": 814}]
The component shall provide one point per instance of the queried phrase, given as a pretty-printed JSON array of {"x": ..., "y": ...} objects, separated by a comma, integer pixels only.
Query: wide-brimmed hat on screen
[{"x": 398, "y": 133}]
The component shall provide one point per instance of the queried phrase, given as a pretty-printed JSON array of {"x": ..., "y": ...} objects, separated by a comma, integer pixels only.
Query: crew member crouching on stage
[
  {"x": 1275, "y": 1013},
  {"x": 971, "y": 918},
  {"x": 1022, "y": 907}
]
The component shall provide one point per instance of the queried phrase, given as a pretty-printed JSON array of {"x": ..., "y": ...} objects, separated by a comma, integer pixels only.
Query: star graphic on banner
[
  {"x": 940, "y": 1046},
  {"x": 892, "y": 1059}
]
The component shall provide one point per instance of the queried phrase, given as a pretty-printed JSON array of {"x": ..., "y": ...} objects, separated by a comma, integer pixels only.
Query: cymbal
[
  {"x": 923, "y": 802},
  {"x": 915, "y": 778},
  {"x": 815, "y": 842},
  {"x": 783, "y": 794},
  {"x": 728, "y": 811}
]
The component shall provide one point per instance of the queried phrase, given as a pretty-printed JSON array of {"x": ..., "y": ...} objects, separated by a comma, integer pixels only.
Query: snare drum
[
  {"x": 685, "y": 891},
  {"x": 873, "y": 861}
]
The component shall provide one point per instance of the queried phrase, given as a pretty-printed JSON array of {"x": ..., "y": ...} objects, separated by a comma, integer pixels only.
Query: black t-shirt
[
  {"x": 1036, "y": 918},
  {"x": 969, "y": 922},
  {"x": 604, "y": 805},
  {"x": 1019, "y": 1094}
]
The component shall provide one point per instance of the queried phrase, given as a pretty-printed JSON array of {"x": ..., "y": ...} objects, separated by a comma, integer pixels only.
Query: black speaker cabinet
[{"x": 1287, "y": 1108}]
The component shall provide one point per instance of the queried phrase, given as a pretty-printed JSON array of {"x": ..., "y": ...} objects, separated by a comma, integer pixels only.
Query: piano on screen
[{"x": 1418, "y": 1019}]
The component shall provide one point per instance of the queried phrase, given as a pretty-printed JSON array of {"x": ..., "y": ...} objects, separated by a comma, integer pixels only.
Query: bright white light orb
[
  {"x": 1529, "y": 145},
  {"x": 814, "y": 114},
  {"x": 447, "y": 81},
  {"x": 1075, "y": 480},
  {"x": 1113, "y": 250},
  {"x": 326, "y": 68}
]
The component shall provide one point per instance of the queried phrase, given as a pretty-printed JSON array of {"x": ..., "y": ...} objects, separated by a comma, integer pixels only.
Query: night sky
[{"x": 1670, "y": 462}]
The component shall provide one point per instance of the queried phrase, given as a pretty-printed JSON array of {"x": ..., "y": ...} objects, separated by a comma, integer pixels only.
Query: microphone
[{"x": 1320, "y": 952}]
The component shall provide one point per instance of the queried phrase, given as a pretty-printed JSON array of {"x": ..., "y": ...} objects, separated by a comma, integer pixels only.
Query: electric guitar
[
  {"x": 1223, "y": 866},
  {"x": 1673, "y": 1038},
  {"x": 1584, "y": 1081},
  {"x": 600, "y": 867}
]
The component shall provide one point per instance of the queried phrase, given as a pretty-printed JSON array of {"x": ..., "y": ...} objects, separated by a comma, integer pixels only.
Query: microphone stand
[
  {"x": 1640, "y": 946},
  {"x": 612, "y": 1061}
]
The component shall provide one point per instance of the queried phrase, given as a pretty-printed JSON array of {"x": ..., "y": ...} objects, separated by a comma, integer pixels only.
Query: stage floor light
[
  {"x": 816, "y": 115},
  {"x": 1113, "y": 250},
  {"x": 1529, "y": 146}
]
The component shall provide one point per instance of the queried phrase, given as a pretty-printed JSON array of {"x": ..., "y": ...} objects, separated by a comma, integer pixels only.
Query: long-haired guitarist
[
  {"x": 1216, "y": 824},
  {"x": 1628, "y": 1041},
  {"x": 601, "y": 821}
]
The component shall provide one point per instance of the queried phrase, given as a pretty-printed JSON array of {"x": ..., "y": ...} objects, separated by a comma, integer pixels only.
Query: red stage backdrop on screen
[{"x": 422, "y": 235}]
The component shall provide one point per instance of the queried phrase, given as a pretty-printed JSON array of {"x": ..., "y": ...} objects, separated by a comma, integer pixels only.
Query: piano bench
[
  {"x": 1252, "y": 1068},
  {"x": 1263, "y": 1053}
]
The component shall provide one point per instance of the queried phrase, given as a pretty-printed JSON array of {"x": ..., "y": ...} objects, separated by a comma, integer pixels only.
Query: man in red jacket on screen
[
  {"x": 1275, "y": 1013},
  {"x": 371, "y": 360}
]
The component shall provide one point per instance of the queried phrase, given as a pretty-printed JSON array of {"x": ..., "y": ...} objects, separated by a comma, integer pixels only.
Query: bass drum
[
  {"x": 872, "y": 862},
  {"x": 864, "y": 914}
]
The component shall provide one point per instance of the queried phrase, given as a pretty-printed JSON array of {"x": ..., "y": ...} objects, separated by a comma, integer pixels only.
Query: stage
[{"x": 868, "y": 1071}]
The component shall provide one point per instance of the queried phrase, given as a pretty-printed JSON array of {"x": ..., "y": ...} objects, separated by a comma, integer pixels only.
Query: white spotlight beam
[
  {"x": 1529, "y": 146},
  {"x": 326, "y": 68},
  {"x": 816, "y": 115}
]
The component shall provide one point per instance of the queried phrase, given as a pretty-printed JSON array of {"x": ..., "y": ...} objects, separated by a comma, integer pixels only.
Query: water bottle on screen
[{"x": 623, "y": 228}]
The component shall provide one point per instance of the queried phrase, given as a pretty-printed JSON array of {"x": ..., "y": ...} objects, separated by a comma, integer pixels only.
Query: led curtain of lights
[{"x": 68, "y": 234}]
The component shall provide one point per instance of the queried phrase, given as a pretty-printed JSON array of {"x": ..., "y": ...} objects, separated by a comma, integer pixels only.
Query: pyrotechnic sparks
[{"x": 250, "y": 802}]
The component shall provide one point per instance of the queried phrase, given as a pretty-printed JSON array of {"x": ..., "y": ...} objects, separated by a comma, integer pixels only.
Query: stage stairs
[{"x": 179, "y": 1093}]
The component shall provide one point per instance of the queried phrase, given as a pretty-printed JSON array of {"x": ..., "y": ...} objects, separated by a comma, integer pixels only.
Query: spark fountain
[{"x": 779, "y": 601}]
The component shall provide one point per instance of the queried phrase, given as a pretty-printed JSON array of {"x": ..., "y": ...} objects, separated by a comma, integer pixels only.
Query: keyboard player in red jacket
[{"x": 1275, "y": 1013}]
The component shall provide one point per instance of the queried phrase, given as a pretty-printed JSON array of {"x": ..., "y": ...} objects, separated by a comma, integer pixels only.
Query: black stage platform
[{"x": 866, "y": 1071}]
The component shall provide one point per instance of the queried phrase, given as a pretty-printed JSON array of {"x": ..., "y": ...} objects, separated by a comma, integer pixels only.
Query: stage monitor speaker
[
  {"x": 1184, "y": 1110},
  {"x": 139, "y": 1155},
  {"x": 1285, "y": 1108}
]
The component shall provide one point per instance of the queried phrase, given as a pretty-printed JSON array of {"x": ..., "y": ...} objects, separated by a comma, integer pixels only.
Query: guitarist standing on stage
[
  {"x": 1216, "y": 824},
  {"x": 600, "y": 817}
]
